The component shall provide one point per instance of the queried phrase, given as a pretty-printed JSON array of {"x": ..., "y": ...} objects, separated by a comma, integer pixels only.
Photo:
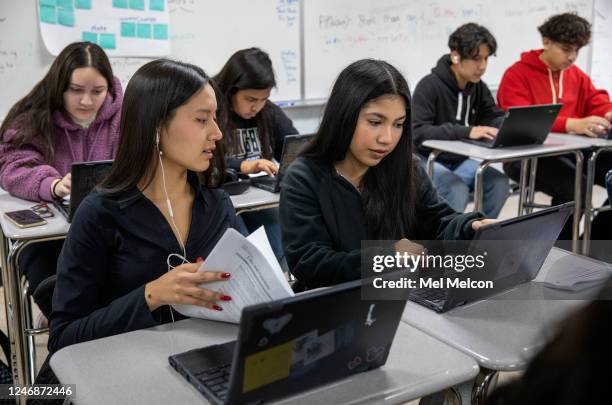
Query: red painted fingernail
[
  {"x": 226, "y": 275},
  {"x": 200, "y": 259},
  {"x": 217, "y": 307},
  {"x": 225, "y": 298}
]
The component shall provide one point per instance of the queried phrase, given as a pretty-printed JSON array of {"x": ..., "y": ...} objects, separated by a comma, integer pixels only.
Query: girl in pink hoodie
[{"x": 71, "y": 115}]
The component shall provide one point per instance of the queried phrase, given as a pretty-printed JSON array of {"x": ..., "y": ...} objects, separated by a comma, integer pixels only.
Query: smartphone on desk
[{"x": 25, "y": 218}]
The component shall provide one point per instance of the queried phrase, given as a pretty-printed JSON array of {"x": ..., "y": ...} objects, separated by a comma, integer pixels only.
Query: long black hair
[
  {"x": 388, "y": 192},
  {"x": 246, "y": 69},
  {"x": 32, "y": 115},
  {"x": 151, "y": 98}
]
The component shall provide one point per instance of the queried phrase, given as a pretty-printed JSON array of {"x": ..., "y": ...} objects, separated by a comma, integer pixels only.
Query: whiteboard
[
  {"x": 601, "y": 65},
  {"x": 203, "y": 32},
  {"x": 413, "y": 34}
]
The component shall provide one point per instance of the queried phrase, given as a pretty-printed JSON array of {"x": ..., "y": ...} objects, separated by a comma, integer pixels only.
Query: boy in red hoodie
[{"x": 547, "y": 76}]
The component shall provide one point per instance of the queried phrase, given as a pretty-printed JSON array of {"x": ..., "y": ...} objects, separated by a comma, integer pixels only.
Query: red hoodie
[{"x": 529, "y": 81}]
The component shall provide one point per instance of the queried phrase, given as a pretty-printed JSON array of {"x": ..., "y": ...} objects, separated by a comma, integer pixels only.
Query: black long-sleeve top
[
  {"x": 443, "y": 111},
  {"x": 322, "y": 222},
  {"x": 115, "y": 246}
]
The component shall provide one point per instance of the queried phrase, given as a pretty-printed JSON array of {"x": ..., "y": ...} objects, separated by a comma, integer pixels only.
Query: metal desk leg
[
  {"x": 578, "y": 204},
  {"x": 16, "y": 317},
  {"x": 532, "y": 178},
  {"x": 485, "y": 381},
  {"x": 588, "y": 201},
  {"x": 523, "y": 186},
  {"x": 478, "y": 185},
  {"x": 430, "y": 162}
]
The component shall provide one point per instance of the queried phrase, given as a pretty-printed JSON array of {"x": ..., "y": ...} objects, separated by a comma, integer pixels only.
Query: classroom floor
[{"x": 509, "y": 210}]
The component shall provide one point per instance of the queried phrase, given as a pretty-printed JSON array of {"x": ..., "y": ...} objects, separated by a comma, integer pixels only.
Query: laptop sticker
[
  {"x": 275, "y": 325},
  {"x": 370, "y": 318},
  {"x": 320, "y": 347},
  {"x": 375, "y": 353},
  {"x": 267, "y": 366},
  {"x": 299, "y": 347},
  {"x": 353, "y": 364},
  {"x": 263, "y": 342}
]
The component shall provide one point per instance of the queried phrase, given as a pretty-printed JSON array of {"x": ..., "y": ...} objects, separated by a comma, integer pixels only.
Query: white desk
[
  {"x": 254, "y": 199},
  {"x": 14, "y": 239},
  {"x": 132, "y": 368},
  {"x": 556, "y": 144},
  {"x": 18, "y": 311},
  {"x": 504, "y": 332}
]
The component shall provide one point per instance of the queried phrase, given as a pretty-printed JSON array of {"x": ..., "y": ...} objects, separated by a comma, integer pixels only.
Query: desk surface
[
  {"x": 132, "y": 368},
  {"x": 254, "y": 197},
  {"x": 505, "y": 332},
  {"x": 57, "y": 225},
  {"x": 554, "y": 143}
]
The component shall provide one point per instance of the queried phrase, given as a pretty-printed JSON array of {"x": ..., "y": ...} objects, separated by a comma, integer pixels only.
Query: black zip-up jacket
[
  {"x": 322, "y": 222},
  {"x": 442, "y": 111},
  {"x": 115, "y": 246}
]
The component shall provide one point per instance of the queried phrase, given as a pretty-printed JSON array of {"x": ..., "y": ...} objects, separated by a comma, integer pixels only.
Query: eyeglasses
[{"x": 43, "y": 210}]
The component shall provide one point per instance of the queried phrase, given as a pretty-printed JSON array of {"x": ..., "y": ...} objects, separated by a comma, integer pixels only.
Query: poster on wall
[{"x": 127, "y": 28}]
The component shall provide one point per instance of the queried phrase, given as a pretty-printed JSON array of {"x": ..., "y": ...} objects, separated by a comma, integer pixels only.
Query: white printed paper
[{"x": 256, "y": 276}]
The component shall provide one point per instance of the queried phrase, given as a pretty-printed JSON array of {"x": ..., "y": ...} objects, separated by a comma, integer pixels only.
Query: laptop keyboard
[
  {"x": 216, "y": 379},
  {"x": 430, "y": 294}
]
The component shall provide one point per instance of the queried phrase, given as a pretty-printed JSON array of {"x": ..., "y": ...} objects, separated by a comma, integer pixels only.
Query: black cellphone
[{"x": 25, "y": 218}]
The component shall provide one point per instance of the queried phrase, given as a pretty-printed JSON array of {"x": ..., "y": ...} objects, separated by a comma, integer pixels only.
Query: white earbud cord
[{"x": 173, "y": 223}]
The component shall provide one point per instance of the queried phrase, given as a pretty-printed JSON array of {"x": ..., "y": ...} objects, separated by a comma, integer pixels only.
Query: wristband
[{"x": 53, "y": 193}]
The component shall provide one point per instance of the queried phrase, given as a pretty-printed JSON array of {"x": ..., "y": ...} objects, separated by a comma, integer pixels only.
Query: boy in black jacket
[{"x": 453, "y": 103}]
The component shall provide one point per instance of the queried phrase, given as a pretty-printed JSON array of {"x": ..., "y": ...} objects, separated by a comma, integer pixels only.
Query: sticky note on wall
[
  {"x": 65, "y": 17},
  {"x": 107, "y": 41},
  {"x": 137, "y": 5},
  {"x": 50, "y": 3},
  {"x": 128, "y": 29},
  {"x": 120, "y": 3},
  {"x": 47, "y": 14},
  {"x": 143, "y": 30},
  {"x": 267, "y": 366},
  {"x": 82, "y": 4},
  {"x": 160, "y": 31},
  {"x": 90, "y": 37},
  {"x": 65, "y": 4},
  {"x": 156, "y": 5}
]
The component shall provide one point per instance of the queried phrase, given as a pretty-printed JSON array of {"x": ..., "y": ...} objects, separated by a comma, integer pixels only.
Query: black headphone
[{"x": 235, "y": 182}]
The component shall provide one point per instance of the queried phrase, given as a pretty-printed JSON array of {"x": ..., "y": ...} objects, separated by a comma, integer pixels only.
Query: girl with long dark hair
[
  {"x": 358, "y": 180},
  {"x": 253, "y": 126},
  {"x": 71, "y": 115},
  {"x": 135, "y": 243}
]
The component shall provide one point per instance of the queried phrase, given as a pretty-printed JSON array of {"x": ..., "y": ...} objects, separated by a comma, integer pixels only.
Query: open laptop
[
  {"x": 292, "y": 146},
  {"x": 84, "y": 177},
  {"x": 515, "y": 251},
  {"x": 528, "y": 125},
  {"x": 294, "y": 344}
]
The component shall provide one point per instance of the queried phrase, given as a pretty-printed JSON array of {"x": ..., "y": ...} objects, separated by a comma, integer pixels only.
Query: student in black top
[
  {"x": 453, "y": 103},
  {"x": 134, "y": 245},
  {"x": 358, "y": 180},
  {"x": 253, "y": 126}
]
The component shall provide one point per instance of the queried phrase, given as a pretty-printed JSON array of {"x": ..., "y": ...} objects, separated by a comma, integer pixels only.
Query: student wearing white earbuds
[
  {"x": 136, "y": 243},
  {"x": 453, "y": 103}
]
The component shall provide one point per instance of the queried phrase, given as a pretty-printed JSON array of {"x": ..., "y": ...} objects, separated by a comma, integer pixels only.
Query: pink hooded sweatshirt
[{"x": 25, "y": 172}]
